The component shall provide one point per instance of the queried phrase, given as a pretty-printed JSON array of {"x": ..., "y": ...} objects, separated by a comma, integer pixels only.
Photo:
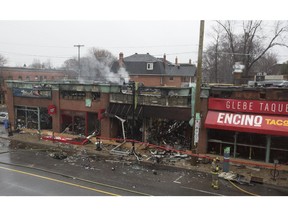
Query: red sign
[
  {"x": 249, "y": 106},
  {"x": 51, "y": 109},
  {"x": 261, "y": 124}
]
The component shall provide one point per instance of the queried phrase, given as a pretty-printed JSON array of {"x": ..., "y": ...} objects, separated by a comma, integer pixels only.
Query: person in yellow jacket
[{"x": 215, "y": 172}]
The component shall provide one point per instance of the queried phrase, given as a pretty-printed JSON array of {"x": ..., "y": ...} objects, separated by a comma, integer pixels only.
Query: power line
[{"x": 25, "y": 54}]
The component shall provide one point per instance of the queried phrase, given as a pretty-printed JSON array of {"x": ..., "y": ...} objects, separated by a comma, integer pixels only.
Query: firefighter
[
  {"x": 215, "y": 180},
  {"x": 215, "y": 171}
]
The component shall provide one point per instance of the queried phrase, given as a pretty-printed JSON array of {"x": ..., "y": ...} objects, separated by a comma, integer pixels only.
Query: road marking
[
  {"x": 176, "y": 181},
  {"x": 60, "y": 181},
  {"x": 202, "y": 191}
]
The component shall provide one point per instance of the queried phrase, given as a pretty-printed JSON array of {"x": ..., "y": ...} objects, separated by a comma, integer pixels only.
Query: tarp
[{"x": 251, "y": 123}]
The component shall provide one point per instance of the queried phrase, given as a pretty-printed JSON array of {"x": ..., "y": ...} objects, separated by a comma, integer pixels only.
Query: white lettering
[
  {"x": 261, "y": 106},
  {"x": 251, "y": 106},
  {"x": 238, "y": 119},
  {"x": 220, "y": 118},
  {"x": 228, "y": 118},
  {"x": 258, "y": 121},
  {"x": 280, "y": 108},
  {"x": 273, "y": 107},
  {"x": 266, "y": 108},
  {"x": 228, "y": 105},
  {"x": 244, "y": 105},
  {"x": 249, "y": 120}
]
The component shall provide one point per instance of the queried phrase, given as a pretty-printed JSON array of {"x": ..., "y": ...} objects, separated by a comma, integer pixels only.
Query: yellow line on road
[{"x": 59, "y": 181}]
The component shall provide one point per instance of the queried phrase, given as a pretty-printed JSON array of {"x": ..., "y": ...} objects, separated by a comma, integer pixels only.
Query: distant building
[
  {"x": 31, "y": 74},
  {"x": 152, "y": 71}
]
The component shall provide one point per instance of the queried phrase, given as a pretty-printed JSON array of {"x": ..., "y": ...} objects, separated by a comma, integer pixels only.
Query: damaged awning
[
  {"x": 124, "y": 110},
  {"x": 250, "y": 123}
]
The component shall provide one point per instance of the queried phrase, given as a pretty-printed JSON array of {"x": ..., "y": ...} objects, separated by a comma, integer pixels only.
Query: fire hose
[{"x": 244, "y": 191}]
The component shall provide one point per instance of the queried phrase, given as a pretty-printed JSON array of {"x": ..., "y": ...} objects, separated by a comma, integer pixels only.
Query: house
[{"x": 152, "y": 71}]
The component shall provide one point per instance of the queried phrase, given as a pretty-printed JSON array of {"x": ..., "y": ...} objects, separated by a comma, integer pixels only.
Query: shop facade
[
  {"x": 251, "y": 126},
  {"x": 60, "y": 107}
]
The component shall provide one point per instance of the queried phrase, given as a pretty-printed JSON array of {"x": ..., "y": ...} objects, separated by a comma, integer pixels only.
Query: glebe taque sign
[{"x": 249, "y": 106}]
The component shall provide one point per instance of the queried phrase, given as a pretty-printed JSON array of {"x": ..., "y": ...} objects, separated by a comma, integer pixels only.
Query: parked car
[{"x": 3, "y": 116}]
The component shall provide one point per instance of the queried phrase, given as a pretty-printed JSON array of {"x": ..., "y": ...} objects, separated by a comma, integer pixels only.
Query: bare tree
[
  {"x": 3, "y": 60},
  {"x": 253, "y": 43},
  {"x": 212, "y": 57},
  {"x": 71, "y": 64},
  {"x": 36, "y": 64}
]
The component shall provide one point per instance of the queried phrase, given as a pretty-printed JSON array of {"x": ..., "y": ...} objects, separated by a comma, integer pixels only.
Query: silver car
[{"x": 3, "y": 116}]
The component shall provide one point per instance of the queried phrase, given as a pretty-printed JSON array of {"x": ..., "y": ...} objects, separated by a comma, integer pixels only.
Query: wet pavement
[{"x": 125, "y": 172}]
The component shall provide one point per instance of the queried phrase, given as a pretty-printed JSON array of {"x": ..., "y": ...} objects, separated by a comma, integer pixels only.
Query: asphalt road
[{"x": 27, "y": 171}]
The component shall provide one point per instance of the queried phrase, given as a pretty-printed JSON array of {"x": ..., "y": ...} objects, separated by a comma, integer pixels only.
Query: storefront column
[
  {"x": 268, "y": 146},
  {"x": 235, "y": 144}
]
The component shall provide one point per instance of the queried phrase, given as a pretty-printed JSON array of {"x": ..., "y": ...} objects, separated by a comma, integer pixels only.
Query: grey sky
[
  {"x": 23, "y": 41},
  {"x": 154, "y": 27}
]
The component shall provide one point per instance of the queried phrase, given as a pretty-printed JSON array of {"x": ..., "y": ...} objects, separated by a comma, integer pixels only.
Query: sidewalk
[{"x": 246, "y": 168}]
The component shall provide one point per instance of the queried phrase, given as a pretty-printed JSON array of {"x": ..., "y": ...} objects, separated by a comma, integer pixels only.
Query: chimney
[
  {"x": 121, "y": 62},
  {"x": 190, "y": 62},
  {"x": 164, "y": 60},
  {"x": 176, "y": 61}
]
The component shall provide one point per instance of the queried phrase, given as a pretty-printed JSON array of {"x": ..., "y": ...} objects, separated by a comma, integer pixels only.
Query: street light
[{"x": 79, "y": 67}]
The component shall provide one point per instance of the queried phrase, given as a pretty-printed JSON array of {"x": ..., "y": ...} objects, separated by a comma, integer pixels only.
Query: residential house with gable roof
[{"x": 152, "y": 71}]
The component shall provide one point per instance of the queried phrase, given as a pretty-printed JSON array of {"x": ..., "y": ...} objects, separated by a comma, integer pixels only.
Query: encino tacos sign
[
  {"x": 249, "y": 106},
  {"x": 262, "y": 124}
]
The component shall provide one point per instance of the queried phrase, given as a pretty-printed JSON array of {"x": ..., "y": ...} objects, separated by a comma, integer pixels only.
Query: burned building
[
  {"x": 162, "y": 115},
  {"x": 58, "y": 106},
  {"x": 159, "y": 115}
]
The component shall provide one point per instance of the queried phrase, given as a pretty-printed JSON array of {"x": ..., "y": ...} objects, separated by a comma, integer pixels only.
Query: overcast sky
[
  {"x": 23, "y": 41},
  {"x": 50, "y": 30}
]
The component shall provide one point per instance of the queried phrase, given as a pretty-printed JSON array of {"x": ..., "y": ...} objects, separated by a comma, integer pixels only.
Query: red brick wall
[{"x": 158, "y": 80}]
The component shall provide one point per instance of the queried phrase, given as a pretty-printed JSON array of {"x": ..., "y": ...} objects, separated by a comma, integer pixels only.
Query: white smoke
[{"x": 99, "y": 69}]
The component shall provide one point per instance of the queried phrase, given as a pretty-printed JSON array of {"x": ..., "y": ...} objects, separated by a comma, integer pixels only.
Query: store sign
[
  {"x": 51, "y": 109},
  {"x": 262, "y": 124},
  {"x": 34, "y": 92},
  {"x": 249, "y": 106}
]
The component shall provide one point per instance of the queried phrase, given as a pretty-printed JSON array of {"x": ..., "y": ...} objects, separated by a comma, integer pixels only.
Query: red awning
[{"x": 251, "y": 123}]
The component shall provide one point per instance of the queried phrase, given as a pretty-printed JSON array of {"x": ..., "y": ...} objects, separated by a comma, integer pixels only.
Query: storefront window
[
  {"x": 279, "y": 149},
  {"x": 73, "y": 122},
  {"x": 73, "y": 95},
  {"x": 30, "y": 117},
  {"x": 248, "y": 145}
]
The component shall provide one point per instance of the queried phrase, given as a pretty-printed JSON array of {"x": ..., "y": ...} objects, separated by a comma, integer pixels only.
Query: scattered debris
[
  {"x": 257, "y": 179},
  {"x": 176, "y": 181},
  {"x": 119, "y": 152},
  {"x": 58, "y": 155},
  {"x": 253, "y": 168}
]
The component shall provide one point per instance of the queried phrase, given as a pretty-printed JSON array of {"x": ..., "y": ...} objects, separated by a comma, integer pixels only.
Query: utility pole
[
  {"x": 79, "y": 66},
  {"x": 197, "y": 109}
]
